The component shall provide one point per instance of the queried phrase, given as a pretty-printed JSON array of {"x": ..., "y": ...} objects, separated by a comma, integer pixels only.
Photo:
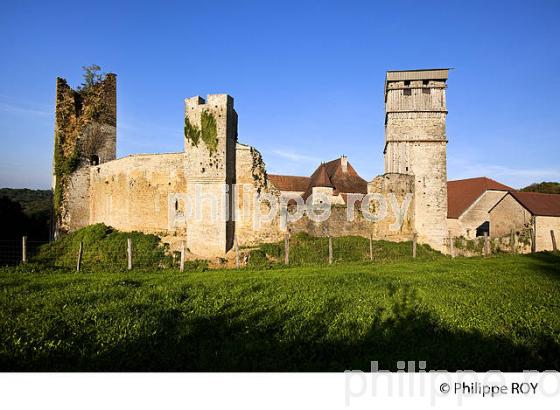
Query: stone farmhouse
[
  {"x": 154, "y": 193},
  {"x": 517, "y": 211},
  {"x": 468, "y": 204}
]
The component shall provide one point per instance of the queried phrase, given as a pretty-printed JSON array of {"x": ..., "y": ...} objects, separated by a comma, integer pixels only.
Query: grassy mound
[
  {"x": 104, "y": 248},
  {"x": 309, "y": 250}
]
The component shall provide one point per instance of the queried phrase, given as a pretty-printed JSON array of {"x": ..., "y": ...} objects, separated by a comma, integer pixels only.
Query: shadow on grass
[
  {"x": 546, "y": 262},
  {"x": 238, "y": 341}
]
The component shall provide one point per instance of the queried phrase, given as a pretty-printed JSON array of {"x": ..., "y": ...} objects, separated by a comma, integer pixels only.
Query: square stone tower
[
  {"x": 415, "y": 144},
  {"x": 85, "y": 136},
  {"x": 210, "y": 142}
]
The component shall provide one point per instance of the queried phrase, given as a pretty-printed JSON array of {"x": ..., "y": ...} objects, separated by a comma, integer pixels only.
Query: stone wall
[
  {"x": 508, "y": 215},
  {"x": 401, "y": 187},
  {"x": 344, "y": 221},
  {"x": 544, "y": 224},
  {"x": 140, "y": 193},
  {"x": 251, "y": 180},
  {"x": 475, "y": 215},
  {"x": 519, "y": 242}
]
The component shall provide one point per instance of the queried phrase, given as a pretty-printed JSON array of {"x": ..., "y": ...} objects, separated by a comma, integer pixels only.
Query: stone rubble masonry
[
  {"x": 75, "y": 112},
  {"x": 137, "y": 193}
]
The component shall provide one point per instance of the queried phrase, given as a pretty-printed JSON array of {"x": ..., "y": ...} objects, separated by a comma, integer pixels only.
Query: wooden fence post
[
  {"x": 533, "y": 234},
  {"x": 182, "y": 260},
  {"x": 512, "y": 241},
  {"x": 129, "y": 253},
  {"x": 330, "y": 250},
  {"x": 236, "y": 253},
  {"x": 24, "y": 249},
  {"x": 414, "y": 239},
  {"x": 451, "y": 245},
  {"x": 287, "y": 249},
  {"x": 554, "y": 247},
  {"x": 370, "y": 247},
  {"x": 485, "y": 249},
  {"x": 80, "y": 252}
]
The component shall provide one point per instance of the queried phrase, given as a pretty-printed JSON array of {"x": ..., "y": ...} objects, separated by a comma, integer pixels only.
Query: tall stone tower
[
  {"x": 210, "y": 143},
  {"x": 85, "y": 135},
  {"x": 415, "y": 144}
]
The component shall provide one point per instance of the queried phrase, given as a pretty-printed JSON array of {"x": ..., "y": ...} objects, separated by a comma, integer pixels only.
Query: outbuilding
[{"x": 518, "y": 211}]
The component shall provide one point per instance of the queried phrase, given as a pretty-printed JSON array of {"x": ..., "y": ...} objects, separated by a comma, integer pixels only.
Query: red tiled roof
[
  {"x": 463, "y": 193},
  {"x": 539, "y": 204},
  {"x": 320, "y": 177},
  {"x": 342, "y": 182},
  {"x": 289, "y": 182}
]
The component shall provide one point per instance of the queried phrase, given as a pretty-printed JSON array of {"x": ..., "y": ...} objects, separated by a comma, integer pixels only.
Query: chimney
[{"x": 344, "y": 163}]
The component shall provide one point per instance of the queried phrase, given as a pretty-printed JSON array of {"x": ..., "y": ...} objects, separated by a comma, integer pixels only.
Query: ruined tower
[
  {"x": 210, "y": 143},
  {"x": 415, "y": 144},
  {"x": 85, "y": 135}
]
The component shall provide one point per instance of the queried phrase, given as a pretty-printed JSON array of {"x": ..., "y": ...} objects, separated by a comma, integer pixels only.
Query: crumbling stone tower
[
  {"x": 415, "y": 144},
  {"x": 210, "y": 144},
  {"x": 85, "y": 135}
]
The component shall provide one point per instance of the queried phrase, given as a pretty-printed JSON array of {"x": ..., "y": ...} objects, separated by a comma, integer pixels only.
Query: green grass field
[{"x": 480, "y": 314}]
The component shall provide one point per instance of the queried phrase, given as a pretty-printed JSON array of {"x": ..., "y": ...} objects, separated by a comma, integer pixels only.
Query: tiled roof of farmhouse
[
  {"x": 463, "y": 193},
  {"x": 342, "y": 181},
  {"x": 289, "y": 182},
  {"x": 328, "y": 174},
  {"x": 539, "y": 204},
  {"x": 320, "y": 178}
]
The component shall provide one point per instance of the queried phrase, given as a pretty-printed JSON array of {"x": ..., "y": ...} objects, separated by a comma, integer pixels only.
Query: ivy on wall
[
  {"x": 76, "y": 110},
  {"x": 192, "y": 133},
  {"x": 64, "y": 165},
  {"x": 208, "y": 132}
]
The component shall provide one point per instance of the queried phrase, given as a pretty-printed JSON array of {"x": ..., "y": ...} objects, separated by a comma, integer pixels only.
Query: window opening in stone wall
[
  {"x": 407, "y": 91},
  {"x": 94, "y": 160}
]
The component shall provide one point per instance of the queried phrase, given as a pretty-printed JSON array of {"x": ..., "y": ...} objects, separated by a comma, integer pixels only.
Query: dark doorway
[
  {"x": 94, "y": 160},
  {"x": 484, "y": 227}
]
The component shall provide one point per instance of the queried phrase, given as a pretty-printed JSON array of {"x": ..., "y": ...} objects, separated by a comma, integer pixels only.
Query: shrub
[{"x": 104, "y": 247}]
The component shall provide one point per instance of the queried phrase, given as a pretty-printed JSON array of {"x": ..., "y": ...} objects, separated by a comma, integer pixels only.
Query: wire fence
[
  {"x": 123, "y": 254},
  {"x": 296, "y": 250},
  {"x": 83, "y": 257}
]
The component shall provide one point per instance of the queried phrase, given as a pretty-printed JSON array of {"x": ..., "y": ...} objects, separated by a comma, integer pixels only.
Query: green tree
[
  {"x": 544, "y": 187},
  {"x": 92, "y": 75}
]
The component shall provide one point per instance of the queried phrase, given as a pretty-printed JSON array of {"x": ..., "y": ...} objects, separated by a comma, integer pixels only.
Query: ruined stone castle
[{"x": 152, "y": 193}]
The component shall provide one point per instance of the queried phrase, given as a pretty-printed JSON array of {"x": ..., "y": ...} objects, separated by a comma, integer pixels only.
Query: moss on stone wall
[
  {"x": 192, "y": 133},
  {"x": 208, "y": 132}
]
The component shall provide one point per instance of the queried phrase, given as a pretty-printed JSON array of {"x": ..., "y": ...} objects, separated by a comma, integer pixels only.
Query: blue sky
[{"x": 307, "y": 78}]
